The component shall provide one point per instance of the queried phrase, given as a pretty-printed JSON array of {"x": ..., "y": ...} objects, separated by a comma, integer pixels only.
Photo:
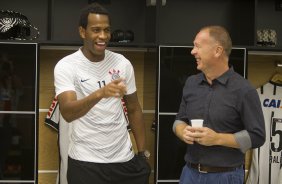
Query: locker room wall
[
  {"x": 144, "y": 62},
  {"x": 48, "y": 150},
  {"x": 262, "y": 66}
]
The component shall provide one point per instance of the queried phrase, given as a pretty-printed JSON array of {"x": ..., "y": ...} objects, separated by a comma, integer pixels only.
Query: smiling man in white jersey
[{"x": 89, "y": 84}]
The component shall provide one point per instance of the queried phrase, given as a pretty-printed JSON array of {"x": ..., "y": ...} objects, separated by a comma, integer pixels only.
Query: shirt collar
[{"x": 221, "y": 79}]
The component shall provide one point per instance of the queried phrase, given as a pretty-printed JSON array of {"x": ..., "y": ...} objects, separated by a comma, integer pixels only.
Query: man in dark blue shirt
[{"x": 230, "y": 108}]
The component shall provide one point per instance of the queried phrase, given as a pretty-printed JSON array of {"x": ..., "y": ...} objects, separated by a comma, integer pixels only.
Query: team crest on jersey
[{"x": 114, "y": 73}]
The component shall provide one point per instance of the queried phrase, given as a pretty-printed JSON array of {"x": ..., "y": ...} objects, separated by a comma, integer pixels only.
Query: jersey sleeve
[
  {"x": 130, "y": 79},
  {"x": 53, "y": 116},
  {"x": 64, "y": 77}
]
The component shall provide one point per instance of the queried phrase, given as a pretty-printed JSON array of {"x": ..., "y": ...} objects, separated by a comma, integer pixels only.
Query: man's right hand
[{"x": 116, "y": 88}]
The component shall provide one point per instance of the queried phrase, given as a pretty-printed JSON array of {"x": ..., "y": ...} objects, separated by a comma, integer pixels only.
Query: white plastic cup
[{"x": 197, "y": 122}]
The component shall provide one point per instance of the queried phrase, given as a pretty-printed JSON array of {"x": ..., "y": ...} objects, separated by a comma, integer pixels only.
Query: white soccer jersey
[
  {"x": 55, "y": 120},
  {"x": 267, "y": 160},
  {"x": 280, "y": 177},
  {"x": 65, "y": 129},
  {"x": 101, "y": 135}
]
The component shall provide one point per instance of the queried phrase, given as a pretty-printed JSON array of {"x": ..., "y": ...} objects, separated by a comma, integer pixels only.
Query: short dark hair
[
  {"x": 91, "y": 8},
  {"x": 221, "y": 35}
]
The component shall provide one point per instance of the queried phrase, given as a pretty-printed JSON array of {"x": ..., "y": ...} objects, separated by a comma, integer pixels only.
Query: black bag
[
  {"x": 122, "y": 36},
  {"x": 16, "y": 26}
]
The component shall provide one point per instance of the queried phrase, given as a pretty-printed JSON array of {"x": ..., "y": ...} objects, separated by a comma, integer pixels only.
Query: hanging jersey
[
  {"x": 53, "y": 115},
  {"x": 65, "y": 130},
  {"x": 56, "y": 121},
  {"x": 280, "y": 177},
  {"x": 267, "y": 160}
]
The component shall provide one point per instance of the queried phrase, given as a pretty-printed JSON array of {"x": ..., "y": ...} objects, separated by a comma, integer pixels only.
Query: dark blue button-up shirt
[{"x": 229, "y": 105}]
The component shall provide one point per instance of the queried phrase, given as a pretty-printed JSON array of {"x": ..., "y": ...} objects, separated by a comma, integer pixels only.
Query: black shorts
[{"x": 135, "y": 171}]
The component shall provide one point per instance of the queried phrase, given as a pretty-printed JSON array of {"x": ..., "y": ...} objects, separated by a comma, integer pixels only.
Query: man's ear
[
  {"x": 81, "y": 32},
  {"x": 219, "y": 51}
]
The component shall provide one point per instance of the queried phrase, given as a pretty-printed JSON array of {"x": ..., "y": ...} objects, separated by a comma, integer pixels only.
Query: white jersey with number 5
[{"x": 267, "y": 160}]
